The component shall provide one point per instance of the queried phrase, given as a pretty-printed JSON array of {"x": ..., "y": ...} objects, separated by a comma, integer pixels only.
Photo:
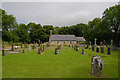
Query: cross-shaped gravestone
[{"x": 95, "y": 42}]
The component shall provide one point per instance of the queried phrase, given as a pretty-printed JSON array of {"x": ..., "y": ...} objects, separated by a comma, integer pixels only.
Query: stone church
[{"x": 64, "y": 39}]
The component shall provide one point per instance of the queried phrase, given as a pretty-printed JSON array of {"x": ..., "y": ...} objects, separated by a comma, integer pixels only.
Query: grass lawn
[{"x": 67, "y": 64}]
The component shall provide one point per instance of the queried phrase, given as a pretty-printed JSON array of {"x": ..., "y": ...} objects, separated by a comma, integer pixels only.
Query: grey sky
[{"x": 56, "y": 13}]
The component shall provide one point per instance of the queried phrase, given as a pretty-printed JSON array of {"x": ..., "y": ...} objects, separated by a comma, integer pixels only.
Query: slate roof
[
  {"x": 63, "y": 38},
  {"x": 80, "y": 38}
]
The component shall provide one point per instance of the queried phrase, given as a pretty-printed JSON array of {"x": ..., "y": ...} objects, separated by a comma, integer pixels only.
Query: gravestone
[
  {"x": 29, "y": 48},
  {"x": 23, "y": 51},
  {"x": 96, "y": 65},
  {"x": 95, "y": 42},
  {"x": 56, "y": 51},
  {"x": 3, "y": 53},
  {"x": 97, "y": 49},
  {"x": 93, "y": 49},
  {"x": 12, "y": 46},
  {"x": 83, "y": 51},
  {"x": 108, "y": 51},
  {"x": 102, "y": 49},
  {"x": 39, "y": 51}
]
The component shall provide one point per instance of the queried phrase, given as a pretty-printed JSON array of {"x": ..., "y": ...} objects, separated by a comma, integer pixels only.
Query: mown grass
[{"x": 67, "y": 64}]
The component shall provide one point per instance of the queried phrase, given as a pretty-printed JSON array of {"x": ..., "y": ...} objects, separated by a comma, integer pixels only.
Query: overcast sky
[{"x": 56, "y": 13}]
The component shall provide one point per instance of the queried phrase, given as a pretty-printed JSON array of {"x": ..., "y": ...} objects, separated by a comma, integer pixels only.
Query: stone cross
[
  {"x": 96, "y": 65},
  {"x": 95, "y": 42}
]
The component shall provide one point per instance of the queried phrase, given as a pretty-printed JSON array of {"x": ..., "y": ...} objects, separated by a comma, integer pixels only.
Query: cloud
[{"x": 56, "y": 13}]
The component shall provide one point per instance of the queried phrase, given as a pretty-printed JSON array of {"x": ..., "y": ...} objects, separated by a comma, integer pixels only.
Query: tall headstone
[
  {"x": 96, "y": 66},
  {"x": 3, "y": 53},
  {"x": 83, "y": 51},
  {"x": 95, "y": 42},
  {"x": 12, "y": 46},
  {"x": 23, "y": 51},
  {"x": 29, "y": 48},
  {"x": 97, "y": 49},
  {"x": 108, "y": 51}
]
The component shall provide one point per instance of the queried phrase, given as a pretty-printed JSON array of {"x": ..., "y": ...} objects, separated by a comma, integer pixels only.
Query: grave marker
[
  {"x": 97, "y": 49},
  {"x": 108, "y": 51},
  {"x": 96, "y": 65},
  {"x": 83, "y": 51},
  {"x": 12, "y": 46}
]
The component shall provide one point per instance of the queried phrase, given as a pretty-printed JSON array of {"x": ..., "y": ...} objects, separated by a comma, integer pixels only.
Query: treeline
[{"x": 104, "y": 29}]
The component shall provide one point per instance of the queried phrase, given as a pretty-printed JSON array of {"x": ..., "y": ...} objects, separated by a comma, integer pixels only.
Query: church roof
[
  {"x": 80, "y": 38},
  {"x": 63, "y": 38}
]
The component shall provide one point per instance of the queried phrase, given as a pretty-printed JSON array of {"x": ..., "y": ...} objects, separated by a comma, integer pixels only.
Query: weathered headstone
[
  {"x": 12, "y": 46},
  {"x": 97, "y": 49},
  {"x": 102, "y": 49},
  {"x": 83, "y": 51},
  {"x": 95, "y": 42},
  {"x": 93, "y": 48},
  {"x": 108, "y": 51},
  {"x": 29, "y": 48},
  {"x": 56, "y": 51},
  {"x": 96, "y": 65},
  {"x": 23, "y": 51},
  {"x": 3, "y": 53}
]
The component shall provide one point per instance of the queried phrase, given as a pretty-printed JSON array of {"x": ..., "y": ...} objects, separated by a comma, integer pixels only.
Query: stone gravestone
[
  {"x": 83, "y": 51},
  {"x": 97, "y": 49},
  {"x": 96, "y": 65},
  {"x": 29, "y": 48},
  {"x": 93, "y": 49},
  {"x": 23, "y": 51},
  {"x": 12, "y": 46},
  {"x": 102, "y": 49},
  {"x": 3, "y": 53},
  {"x": 108, "y": 51},
  {"x": 56, "y": 51}
]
